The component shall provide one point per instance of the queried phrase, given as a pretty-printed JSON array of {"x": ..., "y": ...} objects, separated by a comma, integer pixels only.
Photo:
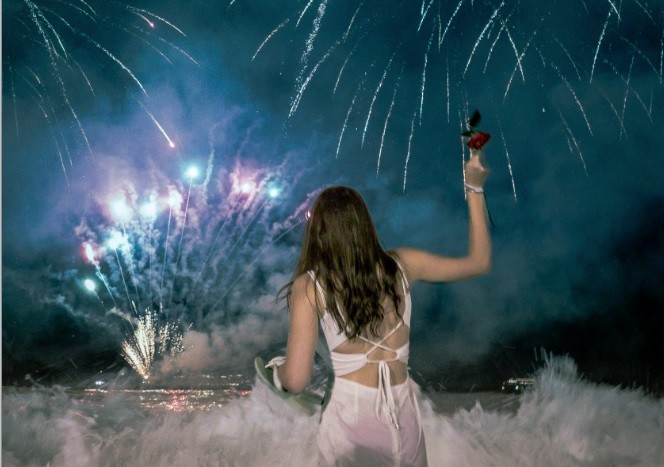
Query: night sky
[{"x": 105, "y": 106}]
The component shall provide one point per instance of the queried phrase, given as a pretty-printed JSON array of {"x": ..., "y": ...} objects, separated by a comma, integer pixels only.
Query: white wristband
[{"x": 474, "y": 189}]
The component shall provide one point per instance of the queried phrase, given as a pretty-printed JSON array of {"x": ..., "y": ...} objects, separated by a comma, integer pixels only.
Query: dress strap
[
  {"x": 384, "y": 407},
  {"x": 319, "y": 289},
  {"x": 404, "y": 281},
  {"x": 380, "y": 344}
]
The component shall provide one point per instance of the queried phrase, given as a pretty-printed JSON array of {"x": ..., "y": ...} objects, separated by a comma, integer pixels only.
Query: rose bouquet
[{"x": 477, "y": 139}]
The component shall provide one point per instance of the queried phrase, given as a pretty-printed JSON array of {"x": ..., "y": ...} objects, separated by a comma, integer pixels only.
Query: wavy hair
[{"x": 341, "y": 247}]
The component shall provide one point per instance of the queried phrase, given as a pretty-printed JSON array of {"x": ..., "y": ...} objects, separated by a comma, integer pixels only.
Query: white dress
[{"x": 365, "y": 425}]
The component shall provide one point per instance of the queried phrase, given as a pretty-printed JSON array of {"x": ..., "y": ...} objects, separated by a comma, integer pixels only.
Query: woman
[{"x": 361, "y": 296}]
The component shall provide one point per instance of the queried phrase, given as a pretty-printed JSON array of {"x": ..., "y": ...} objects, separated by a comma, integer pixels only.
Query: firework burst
[
  {"x": 187, "y": 250},
  {"x": 47, "y": 51},
  {"x": 497, "y": 49}
]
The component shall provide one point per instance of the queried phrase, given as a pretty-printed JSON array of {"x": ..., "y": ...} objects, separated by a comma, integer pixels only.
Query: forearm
[{"x": 479, "y": 240}]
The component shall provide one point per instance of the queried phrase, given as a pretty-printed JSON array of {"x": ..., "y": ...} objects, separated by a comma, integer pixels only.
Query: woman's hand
[{"x": 475, "y": 169}]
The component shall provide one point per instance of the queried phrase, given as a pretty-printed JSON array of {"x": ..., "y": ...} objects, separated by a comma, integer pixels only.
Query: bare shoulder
[
  {"x": 304, "y": 293},
  {"x": 408, "y": 259}
]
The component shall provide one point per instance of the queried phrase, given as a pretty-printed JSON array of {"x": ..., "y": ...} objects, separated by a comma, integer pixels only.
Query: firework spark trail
[
  {"x": 80, "y": 10},
  {"x": 423, "y": 13},
  {"x": 350, "y": 109},
  {"x": 463, "y": 155},
  {"x": 509, "y": 162},
  {"x": 627, "y": 88},
  {"x": 645, "y": 11},
  {"x": 514, "y": 47},
  {"x": 129, "y": 261},
  {"x": 163, "y": 266},
  {"x": 479, "y": 39},
  {"x": 373, "y": 100},
  {"x": 661, "y": 54},
  {"x": 599, "y": 43},
  {"x": 140, "y": 349},
  {"x": 336, "y": 84},
  {"x": 90, "y": 255},
  {"x": 228, "y": 252},
  {"x": 613, "y": 6},
  {"x": 640, "y": 52},
  {"x": 303, "y": 12},
  {"x": 387, "y": 119},
  {"x": 124, "y": 282},
  {"x": 102, "y": 277},
  {"x": 39, "y": 100},
  {"x": 11, "y": 84},
  {"x": 180, "y": 50},
  {"x": 571, "y": 135},
  {"x": 106, "y": 51},
  {"x": 576, "y": 69},
  {"x": 647, "y": 110},
  {"x": 98, "y": 298},
  {"x": 115, "y": 59},
  {"x": 424, "y": 74},
  {"x": 85, "y": 77},
  {"x": 36, "y": 10},
  {"x": 269, "y": 36},
  {"x": 216, "y": 239},
  {"x": 92, "y": 10},
  {"x": 145, "y": 41},
  {"x": 518, "y": 63},
  {"x": 613, "y": 109},
  {"x": 56, "y": 73},
  {"x": 493, "y": 45},
  {"x": 309, "y": 45},
  {"x": 350, "y": 24},
  {"x": 149, "y": 13},
  {"x": 442, "y": 38},
  {"x": 256, "y": 258},
  {"x": 184, "y": 226},
  {"x": 410, "y": 143},
  {"x": 447, "y": 88},
  {"x": 576, "y": 99},
  {"x": 144, "y": 18},
  {"x": 296, "y": 101},
  {"x": 156, "y": 122}
]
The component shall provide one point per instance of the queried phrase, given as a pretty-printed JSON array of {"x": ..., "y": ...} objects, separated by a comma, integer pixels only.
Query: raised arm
[
  {"x": 295, "y": 374},
  {"x": 429, "y": 267}
]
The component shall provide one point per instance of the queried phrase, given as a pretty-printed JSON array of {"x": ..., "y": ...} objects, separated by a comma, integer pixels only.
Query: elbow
[
  {"x": 482, "y": 266},
  {"x": 294, "y": 384},
  {"x": 485, "y": 267}
]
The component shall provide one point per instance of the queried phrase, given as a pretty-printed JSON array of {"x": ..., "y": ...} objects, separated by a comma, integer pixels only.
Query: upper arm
[
  {"x": 302, "y": 335},
  {"x": 429, "y": 267}
]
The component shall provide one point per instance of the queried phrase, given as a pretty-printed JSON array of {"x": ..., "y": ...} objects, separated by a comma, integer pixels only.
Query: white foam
[{"x": 563, "y": 421}]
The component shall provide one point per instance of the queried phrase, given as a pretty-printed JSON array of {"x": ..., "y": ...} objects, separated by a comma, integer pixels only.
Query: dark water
[{"x": 562, "y": 421}]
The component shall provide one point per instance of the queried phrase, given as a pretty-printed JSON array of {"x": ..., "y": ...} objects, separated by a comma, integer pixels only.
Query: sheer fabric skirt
[{"x": 351, "y": 435}]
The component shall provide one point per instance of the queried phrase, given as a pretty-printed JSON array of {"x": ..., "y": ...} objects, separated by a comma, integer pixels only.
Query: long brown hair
[{"x": 341, "y": 247}]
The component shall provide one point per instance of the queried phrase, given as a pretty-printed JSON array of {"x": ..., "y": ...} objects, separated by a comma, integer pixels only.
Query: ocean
[{"x": 562, "y": 421}]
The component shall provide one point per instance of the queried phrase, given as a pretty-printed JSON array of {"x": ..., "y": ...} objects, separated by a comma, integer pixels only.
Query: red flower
[{"x": 478, "y": 140}]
